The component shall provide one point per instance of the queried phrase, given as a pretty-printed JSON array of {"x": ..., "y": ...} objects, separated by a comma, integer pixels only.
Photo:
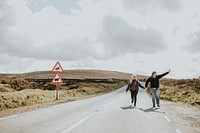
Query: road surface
[{"x": 109, "y": 113}]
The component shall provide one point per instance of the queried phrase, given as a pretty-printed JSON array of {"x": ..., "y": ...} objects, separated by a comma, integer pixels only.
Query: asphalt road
[{"x": 109, "y": 113}]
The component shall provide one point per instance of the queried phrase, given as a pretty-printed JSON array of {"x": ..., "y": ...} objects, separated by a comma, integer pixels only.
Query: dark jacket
[
  {"x": 155, "y": 81},
  {"x": 138, "y": 85}
]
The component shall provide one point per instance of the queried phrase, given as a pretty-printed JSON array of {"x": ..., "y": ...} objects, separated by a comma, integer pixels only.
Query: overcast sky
[{"x": 137, "y": 36}]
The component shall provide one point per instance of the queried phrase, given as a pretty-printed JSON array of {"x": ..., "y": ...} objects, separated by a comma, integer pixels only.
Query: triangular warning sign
[
  {"x": 57, "y": 79},
  {"x": 57, "y": 67}
]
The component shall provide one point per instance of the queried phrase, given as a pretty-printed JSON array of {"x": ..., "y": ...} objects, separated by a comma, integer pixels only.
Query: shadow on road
[
  {"x": 128, "y": 107},
  {"x": 151, "y": 110}
]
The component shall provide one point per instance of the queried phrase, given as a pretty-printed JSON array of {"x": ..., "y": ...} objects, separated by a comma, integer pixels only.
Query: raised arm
[{"x": 164, "y": 74}]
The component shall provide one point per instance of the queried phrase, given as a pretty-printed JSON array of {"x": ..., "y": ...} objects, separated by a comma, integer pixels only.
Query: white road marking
[
  {"x": 88, "y": 117},
  {"x": 178, "y": 131},
  {"x": 8, "y": 117},
  {"x": 78, "y": 123},
  {"x": 168, "y": 120}
]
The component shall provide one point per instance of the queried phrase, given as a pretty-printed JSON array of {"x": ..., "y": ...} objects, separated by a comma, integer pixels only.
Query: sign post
[
  {"x": 57, "y": 80},
  {"x": 57, "y": 92}
]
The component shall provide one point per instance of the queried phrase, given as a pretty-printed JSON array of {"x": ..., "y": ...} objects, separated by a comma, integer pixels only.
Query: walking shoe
[
  {"x": 158, "y": 106},
  {"x": 154, "y": 107}
]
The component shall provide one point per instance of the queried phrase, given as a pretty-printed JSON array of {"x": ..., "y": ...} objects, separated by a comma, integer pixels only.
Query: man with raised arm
[{"x": 154, "y": 84}]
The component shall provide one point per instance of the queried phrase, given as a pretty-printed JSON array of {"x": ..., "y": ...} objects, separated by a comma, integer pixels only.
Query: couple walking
[{"x": 134, "y": 85}]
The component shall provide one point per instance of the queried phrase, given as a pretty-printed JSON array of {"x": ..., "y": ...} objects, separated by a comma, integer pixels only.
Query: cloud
[
  {"x": 68, "y": 50},
  {"x": 171, "y": 5},
  {"x": 119, "y": 38},
  {"x": 16, "y": 44},
  {"x": 83, "y": 64},
  {"x": 152, "y": 5},
  {"x": 193, "y": 43},
  {"x": 176, "y": 29},
  {"x": 195, "y": 15},
  {"x": 35, "y": 33},
  {"x": 192, "y": 70},
  {"x": 7, "y": 14},
  {"x": 64, "y": 6},
  {"x": 116, "y": 38},
  {"x": 16, "y": 65}
]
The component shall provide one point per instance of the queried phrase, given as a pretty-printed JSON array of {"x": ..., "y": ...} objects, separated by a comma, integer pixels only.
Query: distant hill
[{"x": 76, "y": 74}]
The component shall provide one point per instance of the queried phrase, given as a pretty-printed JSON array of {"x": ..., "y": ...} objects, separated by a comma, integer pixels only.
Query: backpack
[{"x": 134, "y": 85}]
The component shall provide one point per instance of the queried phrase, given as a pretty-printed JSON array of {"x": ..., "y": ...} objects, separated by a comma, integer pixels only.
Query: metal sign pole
[
  {"x": 57, "y": 80},
  {"x": 57, "y": 93}
]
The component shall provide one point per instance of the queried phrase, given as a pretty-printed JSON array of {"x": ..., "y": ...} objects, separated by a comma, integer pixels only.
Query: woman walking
[{"x": 133, "y": 87}]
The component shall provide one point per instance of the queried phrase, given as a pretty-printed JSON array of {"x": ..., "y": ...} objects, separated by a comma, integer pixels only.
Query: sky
[{"x": 135, "y": 36}]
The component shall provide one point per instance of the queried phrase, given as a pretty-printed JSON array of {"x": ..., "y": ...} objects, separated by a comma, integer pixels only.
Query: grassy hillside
[{"x": 185, "y": 90}]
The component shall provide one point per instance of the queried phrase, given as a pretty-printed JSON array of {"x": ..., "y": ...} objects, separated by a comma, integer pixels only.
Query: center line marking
[
  {"x": 88, "y": 117},
  {"x": 168, "y": 120},
  {"x": 78, "y": 123},
  {"x": 178, "y": 131}
]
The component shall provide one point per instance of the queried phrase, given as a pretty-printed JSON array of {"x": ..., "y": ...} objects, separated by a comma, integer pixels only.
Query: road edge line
[{"x": 7, "y": 117}]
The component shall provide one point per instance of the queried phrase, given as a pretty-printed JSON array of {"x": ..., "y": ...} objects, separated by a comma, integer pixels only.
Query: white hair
[{"x": 134, "y": 76}]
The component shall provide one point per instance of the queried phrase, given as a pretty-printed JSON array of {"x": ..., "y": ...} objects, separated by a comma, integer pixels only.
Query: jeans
[{"x": 155, "y": 96}]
